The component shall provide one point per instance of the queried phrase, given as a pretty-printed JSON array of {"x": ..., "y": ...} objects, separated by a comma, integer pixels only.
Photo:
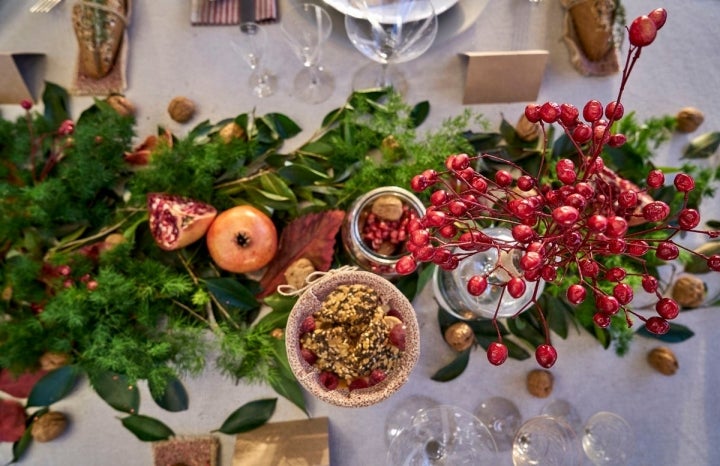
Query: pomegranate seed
[
  {"x": 576, "y": 293},
  {"x": 516, "y": 286},
  {"x": 397, "y": 336},
  {"x": 688, "y": 219},
  {"x": 602, "y": 320},
  {"x": 684, "y": 182},
  {"x": 532, "y": 113},
  {"x": 623, "y": 293},
  {"x": 642, "y": 31},
  {"x": 657, "y": 325},
  {"x": 377, "y": 376},
  {"x": 592, "y": 111},
  {"x": 497, "y": 353},
  {"x": 476, "y": 285},
  {"x": 667, "y": 251},
  {"x": 649, "y": 283},
  {"x": 546, "y": 355},
  {"x": 667, "y": 308}
]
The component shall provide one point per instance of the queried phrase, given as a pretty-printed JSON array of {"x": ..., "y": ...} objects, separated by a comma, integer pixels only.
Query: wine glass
[
  {"x": 608, "y": 439},
  {"x": 563, "y": 409},
  {"x": 546, "y": 440},
  {"x": 389, "y": 32},
  {"x": 251, "y": 46},
  {"x": 404, "y": 412},
  {"x": 503, "y": 419},
  {"x": 443, "y": 435},
  {"x": 305, "y": 29}
]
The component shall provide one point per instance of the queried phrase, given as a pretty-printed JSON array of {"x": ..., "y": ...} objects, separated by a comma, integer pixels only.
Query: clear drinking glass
[
  {"x": 547, "y": 441},
  {"x": 306, "y": 28},
  {"x": 250, "y": 45},
  {"x": 502, "y": 417},
  {"x": 404, "y": 412},
  {"x": 443, "y": 435},
  {"x": 389, "y": 32},
  {"x": 564, "y": 410},
  {"x": 608, "y": 439}
]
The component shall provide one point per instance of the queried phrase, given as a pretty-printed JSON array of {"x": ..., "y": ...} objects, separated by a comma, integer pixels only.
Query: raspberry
[
  {"x": 377, "y": 376},
  {"x": 308, "y": 325},
  {"x": 546, "y": 355},
  {"x": 329, "y": 380},
  {"x": 497, "y": 353},
  {"x": 397, "y": 336},
  {"x": 360, "y": 382},
  {"x": 308, "y": 356}
]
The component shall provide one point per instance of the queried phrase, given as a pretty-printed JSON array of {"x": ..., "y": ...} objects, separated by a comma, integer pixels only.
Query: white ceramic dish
[{"x": 344, "y": 7}]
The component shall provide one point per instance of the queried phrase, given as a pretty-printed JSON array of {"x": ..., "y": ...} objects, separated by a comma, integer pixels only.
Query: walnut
[
  {"x": 297, "y": 272},
  {"x": 460, "y": 336},
  {"x": 49, "y": 426},
  {"x": 689, "y": 119},
  {"x": 663, "y": 360},
  {"x": 121, "y": 105},
  {"x": 540, "y": 382},
  {"x": 231, "y": 131},
  {"x": 391, "y": 149},
  {"x": 526, "y": 130},
  {"x": 689, "y": 291},
  {"x": 181, "y": 109},
  {"x": 388, "y": 207},
  {"x": 277, "y": 333},
  {"x": 50, "y": 361}
]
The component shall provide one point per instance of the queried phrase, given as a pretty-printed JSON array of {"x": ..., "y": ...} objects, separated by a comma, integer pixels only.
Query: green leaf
[
  {"x": 557, "y": 312},
  {"x": 697, "y": 263},
  {"x": 516, "y": 351},
  {"x": 290, "y": 389},
  {"x": 272, "y": 183},
  {"x": 317, "y": 148},
  {"x": 280, "y": 303},
  {"x": 454, "y": 369},
  {"x": 20, "y": 447},
  {"x": 249, "y": 416},
  {"x": 117, "y": 391},
  {"x": 174, "y": 398},
  {"x": 55, "y": 100},
  {"x": 301, "y": 174},
  {"x": 54, "y": 386},
  {"x": 146, "y": 428},
  {"x": 283, "y": 126},
  {"x": 677, "y": 333},
  {"x": 272, "y": 320},
  {"x": 702, "y": 146},
  {"x": 232, "y": 295},
  {"x": 524, "y": 329},
  {"x": 419, "y": 113}
]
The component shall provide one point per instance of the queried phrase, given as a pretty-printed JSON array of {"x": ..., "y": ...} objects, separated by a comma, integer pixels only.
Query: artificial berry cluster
[{"x": 564, "y": 219}]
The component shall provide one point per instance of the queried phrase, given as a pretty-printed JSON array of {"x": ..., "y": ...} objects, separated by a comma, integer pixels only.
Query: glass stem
[{"x": 383, "y": 81}]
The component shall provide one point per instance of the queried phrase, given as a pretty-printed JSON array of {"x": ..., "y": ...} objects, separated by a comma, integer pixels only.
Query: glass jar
[{"x": 375, "y": 228}]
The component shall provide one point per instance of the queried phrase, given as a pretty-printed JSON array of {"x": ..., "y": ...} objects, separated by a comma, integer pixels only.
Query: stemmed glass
[
  {"x": 389, "y": 32},
  {"x": 443, "y": 435},
  {"x": 305, "y": 29},
  {"x": 546, "y": 440},
  {"x": 502, "y": 417},
  {"x": 608, "y": 439},
  {"x": 251, "y": 46},
  {"x": 404, "y": 412}
]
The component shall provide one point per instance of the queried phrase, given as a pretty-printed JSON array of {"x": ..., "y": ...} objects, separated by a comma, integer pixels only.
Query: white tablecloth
[{"x": 675, "y": 419}]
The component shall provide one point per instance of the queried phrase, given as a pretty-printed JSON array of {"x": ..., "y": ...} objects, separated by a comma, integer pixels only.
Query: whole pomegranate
[
  {"x": 242, "y": 239},
  {"x": 176, "y": 221}
]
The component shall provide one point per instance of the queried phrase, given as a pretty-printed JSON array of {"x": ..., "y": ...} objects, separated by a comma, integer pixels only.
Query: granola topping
[{"x": 351, "y": 335}]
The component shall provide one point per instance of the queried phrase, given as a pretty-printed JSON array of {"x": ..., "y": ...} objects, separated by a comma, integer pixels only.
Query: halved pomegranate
[{"x": 176, "y": 221}]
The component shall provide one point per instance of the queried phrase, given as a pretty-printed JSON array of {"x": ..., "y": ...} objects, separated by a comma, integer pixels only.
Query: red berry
[
  {"x": 503, "y": 178},
  {"x": 601, "y": 135},
  {"x": 460, "y": 162},
  {"x": 649, "y": 283},
  {"x": 607, "y": 304},
  {"x": 628, "y": 199},
  {"x": 420, "y": 237},
  {"x": 576, "y": 293},
  {"x": 637, "y": 247},
  {"x": 602, "y": 320},
  {"x": 589, "y": 268},
  {"x": 642, "y": 31},
  {"x": 530, "y": 261},
  {"x": 448, "y": 231},
  {"x": 597, "y": 223},
  {"x": 377, "y": 376},
  {"x": 582, "y": 133},
  {"x": 684, "y": 182},
  {"x": 458, "y": 208},
  {"x": 329, "y": 380},
  {"x": 548, "y": 273},
  {"x": 566, "y": 215},
  {"x": 667, "y": 251},
  {"x": 614, "y": 111},
  {"x": 308, "y": 355},
  {"x": 657, "y": 325},
  {"x": 617, "y": 140},
  {"x": 357, "y": 384},
  {"x": 655, "y": 178},
  {"x": 438, "y": 197},
  {"x": 405, "y": 265},
  {"x": 431, "y": 175},
  {"x": 623, "y": 293},
  {"x": 479, "y": 184},
  {"x": 477, "y": 284},
  {"x": 658, "y": 16},
  {"x": 497, "y": 353},
  {"x": 667, "y": 308},
  {"x": 418, "y": 183},
  {"x": 550, "y": 112},
  {"x": 688, "y": 219},
  {"x": 435, "y": 218},
  {"x": 616, "y": 246},
  {"x": 424, "y": 253},
  {"x": 516, "y": 286},
  {"x": 26, "y": 104},
  {"x": 532, "y": 113},
  {"x": 525, "y": 183},
  {"x": 592, "y": 111},
  {"x": 546, "y": 355},
  {"x": 616, "y": 227},
  {"x": 585, "y": 190},
  {"x": 307, "y": 325},
  {"x": 523, "y": 233},
  {"x": 713, "y": 262},
  {"x": 615, "y": 274},
  {"x": 569, "y": 114},
  {"x": 397, "y": 336}
]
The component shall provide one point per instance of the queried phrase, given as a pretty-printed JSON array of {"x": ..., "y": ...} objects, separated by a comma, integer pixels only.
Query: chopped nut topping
[{"x": 351, "y": 334}]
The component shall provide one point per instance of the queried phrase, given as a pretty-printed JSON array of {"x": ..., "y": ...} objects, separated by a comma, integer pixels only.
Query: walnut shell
[
  {"x": 460, "y": 336},
  {"x": 388, "y": 207},
  {"x": 50, "y": 361},
  {"x": 121, "y": 105},
  {"x": 181, "y": 109},
  {"x": 689, "y": 119},
  {"x": 689, "y": 291},
  {"x": 296, "y": 272},
  {"x": 526, "y": 130},
  {"x": 230, "y": 132},
  {"x": 663, "y": 360},
  {"x": 540, "y": 382},
  {"x": 49, "y": 426}
]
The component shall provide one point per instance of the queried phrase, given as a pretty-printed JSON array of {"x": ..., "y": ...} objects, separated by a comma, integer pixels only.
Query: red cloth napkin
[{"x": 227, "y": 12}]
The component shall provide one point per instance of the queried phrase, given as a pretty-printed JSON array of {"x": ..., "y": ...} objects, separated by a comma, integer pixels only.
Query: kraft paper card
[
  {"x": 504, "y": 77},
  {"x": 20, "y": 76},
  {"x": 290, "y": 443}
]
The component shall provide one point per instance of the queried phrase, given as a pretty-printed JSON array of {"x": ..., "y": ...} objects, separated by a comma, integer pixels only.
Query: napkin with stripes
[{"x": 227, "y": 12}]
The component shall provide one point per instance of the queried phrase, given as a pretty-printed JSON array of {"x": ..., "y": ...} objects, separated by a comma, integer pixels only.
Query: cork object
[{"x": 99, "y": 28}]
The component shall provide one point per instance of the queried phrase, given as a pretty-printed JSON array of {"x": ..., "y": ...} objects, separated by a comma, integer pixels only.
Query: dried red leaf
[
  {"x": 311, "y": 236},
  {"x": 19, "y": 386},
  {"x": 12, "y": 420}
]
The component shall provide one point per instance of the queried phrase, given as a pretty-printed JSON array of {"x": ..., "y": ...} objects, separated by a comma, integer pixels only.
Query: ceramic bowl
[{"x": 308, "y": 375}]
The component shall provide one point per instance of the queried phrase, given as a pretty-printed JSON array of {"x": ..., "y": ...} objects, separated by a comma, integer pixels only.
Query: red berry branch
[{"x": 564, "y": 219}]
